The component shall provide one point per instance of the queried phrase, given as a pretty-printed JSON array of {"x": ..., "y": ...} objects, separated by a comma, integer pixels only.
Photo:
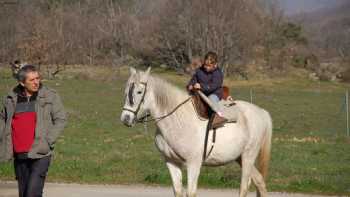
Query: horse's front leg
[
  {"x": 193, "y": 171},
  {"x": 176, "y": 177}
]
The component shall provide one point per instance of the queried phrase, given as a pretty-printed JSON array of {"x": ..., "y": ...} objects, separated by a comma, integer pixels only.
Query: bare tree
[{"x": 115, "y": 32}]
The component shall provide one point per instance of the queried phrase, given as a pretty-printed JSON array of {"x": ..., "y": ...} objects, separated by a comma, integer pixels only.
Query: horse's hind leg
[
  {"x": 176, "y": 177},
  {"x": 257, "y": 179},
  {"x": 259, "y": 183},
  {"x": 247, "y": 162},
  {"x": 247, "y": 167}
]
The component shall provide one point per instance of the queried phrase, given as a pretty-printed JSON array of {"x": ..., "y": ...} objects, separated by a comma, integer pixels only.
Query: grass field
[{"x": 310, "y": 151}]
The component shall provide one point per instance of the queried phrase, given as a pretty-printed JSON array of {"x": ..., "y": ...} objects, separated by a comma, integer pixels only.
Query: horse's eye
[{"x": 139, "y": 92}]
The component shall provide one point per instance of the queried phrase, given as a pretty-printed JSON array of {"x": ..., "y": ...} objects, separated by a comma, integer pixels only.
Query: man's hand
[{"x": 197, "y": 86}]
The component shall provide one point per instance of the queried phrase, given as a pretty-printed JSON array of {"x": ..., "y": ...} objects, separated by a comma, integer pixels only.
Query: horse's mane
[{"x": 166, "y": 94}]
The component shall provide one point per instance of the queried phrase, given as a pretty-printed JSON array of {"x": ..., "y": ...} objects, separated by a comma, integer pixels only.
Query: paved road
[{"x": 9, "y": 189}]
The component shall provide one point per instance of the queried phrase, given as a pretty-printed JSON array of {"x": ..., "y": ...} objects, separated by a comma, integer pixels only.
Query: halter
[
  {"x": 142, "y": 100},
  {"x": 143, "y": 119}
]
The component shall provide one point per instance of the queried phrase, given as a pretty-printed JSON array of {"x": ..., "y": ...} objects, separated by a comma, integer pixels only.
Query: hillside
[
  {"x": 328, "y": 29},
  {"x": 292, "y": 7}
]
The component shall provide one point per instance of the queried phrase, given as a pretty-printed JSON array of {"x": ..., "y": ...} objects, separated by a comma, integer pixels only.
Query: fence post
[
  {"x": 251, "y": 95},
  {"x": 347, "y": 112},
  {"x": 145, "y": 126}
]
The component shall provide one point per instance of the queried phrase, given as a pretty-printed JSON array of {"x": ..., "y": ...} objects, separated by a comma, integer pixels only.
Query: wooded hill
[
  {"x": 250, "y": 36},
  {"x": 328, "y": 33}
]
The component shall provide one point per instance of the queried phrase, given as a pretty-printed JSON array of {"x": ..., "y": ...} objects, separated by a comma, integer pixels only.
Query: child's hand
[
  {"x": 190, "y": 87},
  {"x": 197, "y": 86}
]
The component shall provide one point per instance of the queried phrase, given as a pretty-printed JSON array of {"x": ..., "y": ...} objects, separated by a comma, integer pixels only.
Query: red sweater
[{"x": 23, "y": 124}]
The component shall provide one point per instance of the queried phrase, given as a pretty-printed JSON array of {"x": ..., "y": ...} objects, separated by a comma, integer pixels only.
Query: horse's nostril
[{"x": 127, "y": 118}]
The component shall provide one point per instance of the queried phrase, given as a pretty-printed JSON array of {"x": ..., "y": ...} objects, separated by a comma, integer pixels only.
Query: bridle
[
  {"x": 142, "y": 100},
  {"x": 144, "y": 118}
]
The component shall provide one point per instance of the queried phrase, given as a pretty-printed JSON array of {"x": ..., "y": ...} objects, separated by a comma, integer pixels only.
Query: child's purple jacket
[{"x": 211, "y": 82}]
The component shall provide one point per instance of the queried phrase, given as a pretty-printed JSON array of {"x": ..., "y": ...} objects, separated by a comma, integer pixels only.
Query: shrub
[{"x": 345, "y": 76}]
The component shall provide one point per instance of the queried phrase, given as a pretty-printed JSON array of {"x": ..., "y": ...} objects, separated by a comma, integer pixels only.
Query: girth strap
[{"x": 210, "y": 122}]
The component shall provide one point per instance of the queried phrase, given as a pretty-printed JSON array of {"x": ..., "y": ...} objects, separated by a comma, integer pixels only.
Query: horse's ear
[
  {"x": 145, "y": 76},
  {"x": 132, "y": 70}
]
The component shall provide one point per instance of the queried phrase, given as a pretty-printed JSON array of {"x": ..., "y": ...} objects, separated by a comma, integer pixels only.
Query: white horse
[{"x": 180, "y": 133}]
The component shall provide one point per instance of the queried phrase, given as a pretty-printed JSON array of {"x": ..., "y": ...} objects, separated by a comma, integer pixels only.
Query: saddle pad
[
  {"x": 229, "y": 110},
  {"x": 227, "y": 107}
]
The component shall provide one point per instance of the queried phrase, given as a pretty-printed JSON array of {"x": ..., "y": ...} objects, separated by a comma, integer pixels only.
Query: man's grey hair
[{"x": 22, "y": 73}]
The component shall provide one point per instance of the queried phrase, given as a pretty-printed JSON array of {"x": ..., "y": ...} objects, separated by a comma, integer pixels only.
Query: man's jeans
[{"x": 30, "y": 175}]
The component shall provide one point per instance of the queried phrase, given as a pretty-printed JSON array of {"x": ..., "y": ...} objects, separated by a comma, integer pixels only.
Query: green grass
[{"x": 310, "y": 151}]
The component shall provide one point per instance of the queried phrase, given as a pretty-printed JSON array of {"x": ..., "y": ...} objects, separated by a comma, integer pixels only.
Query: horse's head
[{"x": 135, "y": 97}]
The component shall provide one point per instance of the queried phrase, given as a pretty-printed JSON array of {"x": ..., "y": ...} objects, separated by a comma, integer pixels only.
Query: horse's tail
[{"x": 265, "y": 151}]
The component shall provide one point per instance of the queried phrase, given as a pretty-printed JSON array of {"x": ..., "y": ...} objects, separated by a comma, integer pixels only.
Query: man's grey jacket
[{"x": 50, "y": 122}]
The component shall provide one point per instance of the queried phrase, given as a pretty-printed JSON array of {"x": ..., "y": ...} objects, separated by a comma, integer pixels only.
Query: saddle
[
  {"x": 226, "y": 107},
  {"x": 203, "y": 106}
]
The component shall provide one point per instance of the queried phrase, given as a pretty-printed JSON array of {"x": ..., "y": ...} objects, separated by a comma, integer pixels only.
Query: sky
[{"x": 296, "y": 6}]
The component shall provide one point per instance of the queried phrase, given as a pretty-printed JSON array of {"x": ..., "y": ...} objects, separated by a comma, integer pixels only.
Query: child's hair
[{"x": 212, "y": 56}]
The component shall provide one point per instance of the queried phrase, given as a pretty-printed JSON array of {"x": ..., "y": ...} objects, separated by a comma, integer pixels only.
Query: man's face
[
  {"x": 32, "y": 82},
  {"x": 209, "y": 64}
]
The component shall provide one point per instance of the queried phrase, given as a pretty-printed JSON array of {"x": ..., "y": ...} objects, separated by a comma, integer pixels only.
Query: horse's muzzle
[{"x": 127, "y": 120}]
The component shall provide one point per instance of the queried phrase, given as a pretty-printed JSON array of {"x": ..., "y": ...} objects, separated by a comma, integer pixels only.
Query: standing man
[{"x": 31, "y": 119}]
